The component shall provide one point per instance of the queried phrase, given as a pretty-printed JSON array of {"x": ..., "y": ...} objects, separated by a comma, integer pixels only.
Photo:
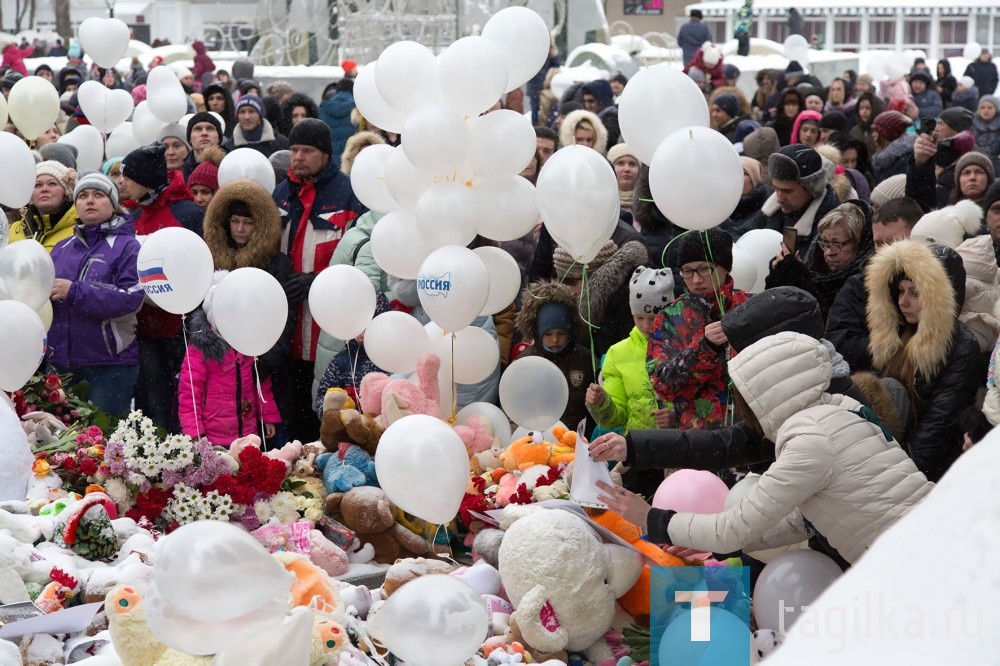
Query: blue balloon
[{"x": 729, "y": 643}]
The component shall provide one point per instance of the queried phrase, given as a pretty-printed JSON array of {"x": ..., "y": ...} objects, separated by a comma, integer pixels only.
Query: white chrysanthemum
[
  {"x": 263, "y": 510},
  {"x": 185, "y": 493},
  {"x": 301, "y": 502},
  {"x": 284, "y": 506},
  {"x": 119, "y": 493},
  {"x": 136, "y": 479},
  {"x": 149, "y": 468},
  {"x": 314, "y": 515},
  {"x": 183, "y": 459}
]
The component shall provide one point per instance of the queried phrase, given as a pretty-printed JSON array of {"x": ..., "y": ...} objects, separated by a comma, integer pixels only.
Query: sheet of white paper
[
  {"x": 66, "y": 621},
  {"x": 586, "y": 473}
]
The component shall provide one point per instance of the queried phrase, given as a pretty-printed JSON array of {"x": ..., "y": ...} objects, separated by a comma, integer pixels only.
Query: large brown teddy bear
[
  {"x": 342, "y": 422},
  {"x": 370, "y": 514}
]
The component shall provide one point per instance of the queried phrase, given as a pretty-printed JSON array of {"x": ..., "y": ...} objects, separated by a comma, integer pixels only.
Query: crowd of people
[{"x": 882, "y": 295}]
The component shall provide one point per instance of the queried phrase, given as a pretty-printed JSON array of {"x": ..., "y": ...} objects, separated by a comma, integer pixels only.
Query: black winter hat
[
  {"x": 834, "y": 120},
  {"x": 958, "y": 118},
  {"x": 794, "y": 69},
  {"x": 773, "y": 311},
  {"x": 801, "y": 164},
  {"x": 312, "y": 132},
  {"x": 992, "y": 196},
  {"x": 729, "y": 103},
  {"x": 922, "y": 75},
  {"x": 692, "y": 247},
  {"x": 147, "y": 165},
  {"x": 204, "y": 117}
]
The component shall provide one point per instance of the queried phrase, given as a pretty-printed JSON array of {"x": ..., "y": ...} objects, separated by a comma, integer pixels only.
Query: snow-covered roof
[{"x": 850, "y": 7}]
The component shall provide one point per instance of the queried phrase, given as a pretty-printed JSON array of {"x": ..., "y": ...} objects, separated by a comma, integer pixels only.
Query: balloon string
[
  {"x": 585, "y": 292},
  {"x": 260, "y": 394},
  {"x": 454, "y": 386},
  {"x": 187, "y": 358},
  {"x": 354, "y": 371},
  {"x": 663, "y": 254},
  {"x": 728, "y": 421}
]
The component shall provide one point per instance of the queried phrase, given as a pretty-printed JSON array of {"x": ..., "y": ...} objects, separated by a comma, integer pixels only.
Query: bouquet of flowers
[
  {"x": 48, "y": 393},
  {"x": 498, "y": 488},
  {"x": 78, "y": 463}
]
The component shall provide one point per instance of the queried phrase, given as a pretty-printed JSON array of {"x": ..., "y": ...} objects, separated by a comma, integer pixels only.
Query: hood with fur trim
[
  {"x": 355, "y": 145},
  {"x": 567, "y": 130},
  {"x": 939, "y": 277},
  {"x": 266, "y": 238},
  {"x": 538, "y": 294},
  {"x": 203, "y": 336},
  {"x": 292, "y": 101}
]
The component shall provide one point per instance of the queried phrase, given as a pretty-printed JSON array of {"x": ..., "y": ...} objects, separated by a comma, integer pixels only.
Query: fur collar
[
  {"x": 263, "y": 244},
  {"x": 928, "y": 349},
  {"x": 807, "y": 220},
  {"x": 266, "y": 135},
  {"x": 567, "y": 130},
  {"x": 605, "y": 282},
  {"x": 538, "y": 294},
  {"x": 201, "y": 335}
]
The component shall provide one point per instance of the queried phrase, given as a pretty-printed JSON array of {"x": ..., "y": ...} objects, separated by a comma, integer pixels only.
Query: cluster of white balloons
[{"x": 26, "y": 278}]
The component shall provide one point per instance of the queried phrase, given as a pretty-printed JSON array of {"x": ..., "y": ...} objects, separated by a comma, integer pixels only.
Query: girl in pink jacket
[{"x": 221, "y": 382}]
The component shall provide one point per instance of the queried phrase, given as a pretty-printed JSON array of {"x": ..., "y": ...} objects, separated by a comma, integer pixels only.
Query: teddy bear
[
  {"x": 389, "y": 400},
  {"x": 526, "y": 452},
  {"x": 287, "y": 454},
  {"x": 343, "y": 422},
  {"x": 15, "y": 451},
  {"x": 404, "y": 570},
  {"x": 372, "y": 516},
  {"x": 312, "y": 587},
  {"x": 349, "y": 467},
  {"x": 763, "y": 643}
]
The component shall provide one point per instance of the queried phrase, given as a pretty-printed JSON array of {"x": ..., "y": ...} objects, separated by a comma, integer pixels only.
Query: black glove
[{"x": 297, "y": 287}]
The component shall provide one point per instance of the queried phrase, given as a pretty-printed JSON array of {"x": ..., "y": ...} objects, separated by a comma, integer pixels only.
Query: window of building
[
  {"x": 953, "y": 37},
  {"x": 777, "y": 30},
  {"x": 718, "y": 30},
  {"x": 816, "y": 27},
  {"x": 917, "y": 34},
  {"x": 847, "y": 35},
  {"x": 882, "y": 33}
]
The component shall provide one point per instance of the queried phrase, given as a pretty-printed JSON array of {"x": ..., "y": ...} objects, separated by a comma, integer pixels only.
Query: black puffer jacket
[
  {"x": 748, "y": 206},
  {"x": 292, "y": 101}
]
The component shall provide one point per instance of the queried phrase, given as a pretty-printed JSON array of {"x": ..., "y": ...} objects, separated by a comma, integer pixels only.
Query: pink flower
[
  {"x": 95, "y": 433},
  {"x": 81, "y": 439}
]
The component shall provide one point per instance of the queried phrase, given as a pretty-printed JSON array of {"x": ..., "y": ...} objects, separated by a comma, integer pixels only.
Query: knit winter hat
[
  {"x": 752, "y": 168},
  {"x": 745, "y": 128},
  {"x": 992, "y": 196},
  {"x": 63, "y": 153},
  {"x": 729, "y": 103},
  {"x": 95, "y": 180},
  {"x": 620, "y": 150},
  {"x": 967, "y": 82},
  {"x": 280, "y": 161},
  {"x": 794, "y": 69},
  {"x": 992, "y": 100},
  {"x": 950, "y": 225},
  {"x": 800, "y": 164},
  {"x": 922, "y": 75},
  {"x": 569, "y": 268},
  {"x": 696, "y": 75},
  {"x": 175, "y": 131},
  {"x": 650, "y": 290},
  {"x": 890, "y": 188},
  {"x": 203, "y": 117},
  {"x": 950, "y": 149},
  {"x": 147, "y": 165},
  {"x": 958, "y": 118},
  {"x": 553, "y": 315},
  {"x": 978, "y": 159},
  {"x": 139, "y": 94},
  {"x": 109, "y": 165},
  {"x": 183, "y": 72},
  {"x": 731, "y": 71},
  {"x": 719, "y": 251},
  {"x": 65, "y": 175},
  {"x": 711, "y": 54},
  {"x": 312, "y": 132},
  {"x": 246, "y": 85},
  {"x": 205, "y": 174},
  {"x": 891, "y": 124},
  {"x": 254, "y": 102},
  {"x": 834, "y": 120}
]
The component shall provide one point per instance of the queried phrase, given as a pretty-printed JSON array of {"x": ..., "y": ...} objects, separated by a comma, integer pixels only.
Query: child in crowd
[
  {"x": 204, "y": 179},
  {"x": 350, "y": 365},
  {"x": 217, "y": 395},
  {"x": 551, "y": 318}
]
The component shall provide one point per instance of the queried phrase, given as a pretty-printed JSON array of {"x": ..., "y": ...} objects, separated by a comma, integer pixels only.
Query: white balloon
[
  {"x": 453, "y": 286},
  {"x": 972, "y": 51},
  {"x": 145, "y": 126},
  {"x": 405, "y": 182},
  {"x": 105, "y": 40},
  {"x": 696, "y": 178},
  {"x": 533, "y": 392},
  {"x": 24, "y": 338},
  {"x": 417, "y": 448},
  {"x": 790, "y": 583},
  {"x": 251, "y": 310},
  {"x": 247, "y": 164},
  {"x": 523, "y": 39},
  {"x": 17, "y": 172},
  {"x": 503, "y": 144},
  {"x": 371, "y": 104},
  {"x": 739, "y": 491},
  {"x": 287, "y": 642},
  {"x": 398, "y": 246},
  {"x": 33, "y": 103},
  {"x": 744, "y": 270},
  {"x": 120, "y": 142},
  {"x": 406, "y": 75},
  {"x": 797, "y": 48},
  {"x": 472, "y": 75},
  {"x": 165, "y": 95},
  {"x": 475, "y": 353},
  {"x": 435, "y": 138},
  {"x": 508, "y": 207},
  {"x": 761, "y": 246},
  {"x": 3, "y": 111},
  {"x": 656, "y": 102},
  {"x": 577, "y": 195},
  {"x": 27, "y": 270},
  {"x": 489, "y": 412},
  {"x": 446, "y": 215},
  {"x": 105, "y": 109},
  {"x": 432, "y": 620},
  {"x": 342, "y": 301},
  {"x": 368, "y": 179},
  {"x": 395, "y": 340},
  {"x": 505, "y": 278},
  {"x": 175, "y": 269},
  {"x": 44, "y": 313},
  {"x": 89, "y": 146}
]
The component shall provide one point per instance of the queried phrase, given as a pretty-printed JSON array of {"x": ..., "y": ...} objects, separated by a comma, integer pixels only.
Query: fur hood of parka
[
  {"x": 355, "y": 145},
  {"x": 567, "y": 130},
  {"x": 266, "y": 238},
  {"x": 292, "y": 101},
  {"x": 538, "y": 294},
  {"x": 939, "y": 277}
]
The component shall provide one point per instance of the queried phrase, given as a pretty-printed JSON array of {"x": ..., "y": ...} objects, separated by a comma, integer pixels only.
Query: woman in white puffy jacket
[{"x": 836, "y": 467}]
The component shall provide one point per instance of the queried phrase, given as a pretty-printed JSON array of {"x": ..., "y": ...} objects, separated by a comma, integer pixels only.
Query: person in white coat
[{"x": 836, "y": 467}]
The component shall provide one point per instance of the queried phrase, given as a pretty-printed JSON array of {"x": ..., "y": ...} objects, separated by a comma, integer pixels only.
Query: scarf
[
  {"x": 254, "y": 135},
  {"x": 148, "y": 198},
  {"x": 804, "y": 225},
  {"x": 625, "y": 198},
  {"x": 307, "y": 196}
]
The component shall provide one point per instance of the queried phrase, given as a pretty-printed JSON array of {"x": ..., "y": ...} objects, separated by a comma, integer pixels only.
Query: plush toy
[
  {"x": 350, "y": 467},
  {"x": 327, "y": 555},
  {"x": 312, "y": 588},
  {"x": 391, "y": 399},
  {"x": 763, "y": 643},
  {"x": 57, "y": 594},
  {"x": 41, "y": 428},
  {"x": 369, "y": 512},
  {"x": 26, "y": 562},
  {"x": 85, "y": 527},
  {"x": 287, "y": 454},
  {"x": 405, "y": 570},
  {"x": 479, "y": 439},
  {"x": 343, "y": 422},
  {"x": 526, "y": 452},
  {"x": 15, "y": 451}
]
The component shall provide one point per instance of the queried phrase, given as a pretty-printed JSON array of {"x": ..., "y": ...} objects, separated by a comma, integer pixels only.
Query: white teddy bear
[{"x": 14, "y": 452}]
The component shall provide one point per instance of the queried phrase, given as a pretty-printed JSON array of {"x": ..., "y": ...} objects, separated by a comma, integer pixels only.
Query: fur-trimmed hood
[
  {"x": 264, "y": 243},
  {"x": 568, "y": 129},
  {"x": 538, "y": 294},
  {"x": 202, "y": 336},
  {"x": 292, "y": 101},
  {"x": 604, "y": 283},
  {"x": 939, "y": 277},
  {"x": 355, "y": 145}
]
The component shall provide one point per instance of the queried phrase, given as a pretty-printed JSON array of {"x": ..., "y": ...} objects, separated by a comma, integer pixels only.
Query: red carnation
[
  {"x": 20, "y": 403},
  {"x": 52, "y": 382},
  {"x": 88, "y": 466}
]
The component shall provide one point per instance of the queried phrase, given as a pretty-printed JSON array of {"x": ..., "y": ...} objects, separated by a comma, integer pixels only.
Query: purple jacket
[{"x": 95, "y": 325}]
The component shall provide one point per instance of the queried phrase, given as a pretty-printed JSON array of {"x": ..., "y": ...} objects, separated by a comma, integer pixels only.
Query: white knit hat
[
  {"x": 650, "y": 290},
  {"x": 620, "y": 150},
  {"x": 890, "y": 188},
  {"x": 59, "y": 171},
  {"x": 950, "y": 225}
]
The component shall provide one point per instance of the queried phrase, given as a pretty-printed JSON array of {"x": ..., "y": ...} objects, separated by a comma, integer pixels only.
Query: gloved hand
[{"x": 297, "y": 287}]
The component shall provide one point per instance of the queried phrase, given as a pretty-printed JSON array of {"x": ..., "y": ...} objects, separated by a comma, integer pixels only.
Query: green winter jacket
[
  {"x": 354, "y": 249},
  {"x": 631, "y": 399}
]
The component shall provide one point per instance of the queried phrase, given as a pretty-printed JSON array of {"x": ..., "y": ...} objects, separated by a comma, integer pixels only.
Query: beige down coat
[
  {"x": 832, "y": 468},
  {"x": 982, "y": 290}
]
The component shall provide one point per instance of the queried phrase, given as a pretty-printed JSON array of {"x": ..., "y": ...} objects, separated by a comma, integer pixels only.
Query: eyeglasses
[
  {"x": 702, "y": 271},
  {"x": 831, "y": 247}
]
